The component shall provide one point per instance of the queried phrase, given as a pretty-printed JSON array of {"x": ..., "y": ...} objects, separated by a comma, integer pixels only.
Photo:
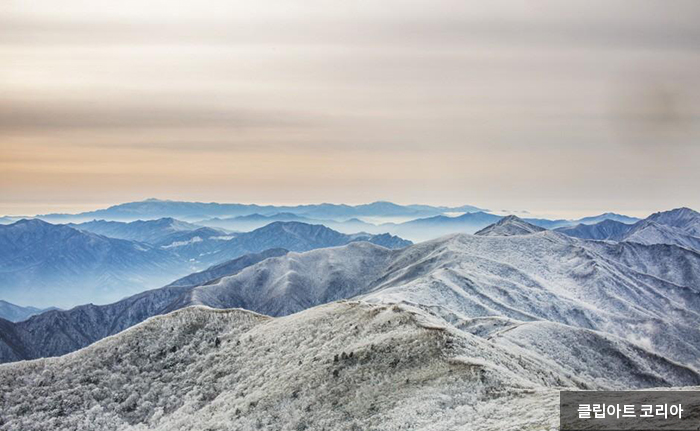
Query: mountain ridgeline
[
  {"x": 516, "y": 311},
  {"x": 513, "y": 270},
  {"x": 678, "y": 227},
  {"x": 60, "y": 265},
  {"x": 190, "y": 211},
  {"x": 449, "y": 327}
]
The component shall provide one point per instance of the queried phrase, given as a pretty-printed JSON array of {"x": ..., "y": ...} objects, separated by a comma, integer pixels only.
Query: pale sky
[{"x": 557, "y": 107}]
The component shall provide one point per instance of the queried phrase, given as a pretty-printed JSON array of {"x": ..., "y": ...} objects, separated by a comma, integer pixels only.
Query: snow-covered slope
[
  {"x": 680, "y": 227},
  {"x": 648, "y": 295},
  {"x": 684, "y": 219},
  {"x": 650, "y": 232},
  {"x": 58, "y": 332},
  {"x": 541, "y": 276},
  {"x": 433, "y": 227},
  {"x": 296, "y": 281},
  {"x": 343, "y": 366},
  {"x": 45, "y": 264},
  {"x": 227, "y": 268},
  {"x": 607, "y": 229},
  {"x": 295, "y": 236},
  {"x": 510, "y": 225}
]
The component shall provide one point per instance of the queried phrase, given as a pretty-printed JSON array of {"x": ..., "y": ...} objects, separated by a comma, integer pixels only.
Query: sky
[{"x": 562, "y": 108}]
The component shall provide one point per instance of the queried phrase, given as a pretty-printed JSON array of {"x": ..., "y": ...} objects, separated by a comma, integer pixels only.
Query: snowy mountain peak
[
  {"x": 508, "y": 226},
  {"x": 684, "y": 219}
]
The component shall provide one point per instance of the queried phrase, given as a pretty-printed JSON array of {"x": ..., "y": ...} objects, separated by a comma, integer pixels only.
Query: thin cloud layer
[{"x": 545, "y": 105}]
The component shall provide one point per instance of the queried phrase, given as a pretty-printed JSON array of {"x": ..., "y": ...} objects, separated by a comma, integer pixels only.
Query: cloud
[
  {"x": 506, "y": 104},
  {"x": 56, "y": 115}
]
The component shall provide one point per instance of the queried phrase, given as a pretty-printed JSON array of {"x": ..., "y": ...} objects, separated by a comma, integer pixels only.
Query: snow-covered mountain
[
  {"x": 349, "y": 365},
  {"x": 227, "y": 268},
  {"x": 607, "y": 229},
  {"x": 510, "y": 225},
  {"x": 437, "y": 335},
  {"x": 62, "y": 331},
  {"x": 433, "y": 227},
  {"x": 17, "y": 313},
  {"x": 650, "y": 232},
  {"x": 684, "y": 219},
  {"x": 542, "y": 276},
  {"x": 679, "y": 227},
  {"x": 189, "y": 242},
  {"x": 47, "y": 264},
  {"x": 295, "y": 236}
]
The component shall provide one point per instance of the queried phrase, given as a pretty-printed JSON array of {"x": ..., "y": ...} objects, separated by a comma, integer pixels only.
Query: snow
[
  {"x": 510, "y": 225},
  {"x": 462, "y": 332},
  {"x": 344, "y": 366}
]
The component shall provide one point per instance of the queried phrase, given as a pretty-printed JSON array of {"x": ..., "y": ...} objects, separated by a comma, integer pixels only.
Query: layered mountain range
[
  {"x": 62, "y": 265},
  {"x": 435, "y": 335},
  {"x": 413, "y": 222},
  {"x": 678, "y": 227},
  {"x": 192, "y": 211},
  {"x": 526, "y": 276},
  {"x": 451, "y": 327}
]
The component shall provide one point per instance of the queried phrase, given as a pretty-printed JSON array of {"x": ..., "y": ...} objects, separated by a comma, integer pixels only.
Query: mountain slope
[
  {"x": 347, "y": 365},
  {"x": 607, "y": 229},
  {"x": 67, "y": 266},
  {"x": 187, "y": 241},
  {"x": 256, "y": 221},
  {"x": 607, "y": 216},
  {"x": 433, "y": 227},
  {"x": 650, "y": 232},
  {"x": 510, "y": 225},
  {"x": 227, "y": 268},
  {"x": 58, "y": 332},
  {"x": 684, "y": 219},
  {"x": 605, "y": 287},
  {"x": 149, "y": 231},
  {"x": 253, "y": 221},
  {"x": 49, "y": 264},
  {"x": 677, "y": 227},
  {"x": 541, "y": 276},
  {"x": 295, "y": 236},
  {"x": 16, "y": 313}
]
